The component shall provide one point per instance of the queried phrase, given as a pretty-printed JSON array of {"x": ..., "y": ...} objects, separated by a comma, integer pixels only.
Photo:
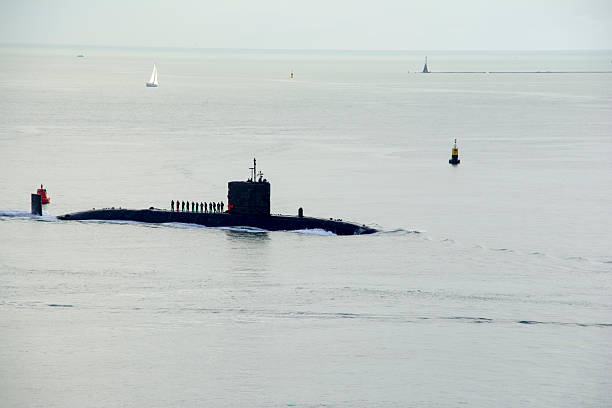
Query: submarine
[{"x": 248, "y": 206}]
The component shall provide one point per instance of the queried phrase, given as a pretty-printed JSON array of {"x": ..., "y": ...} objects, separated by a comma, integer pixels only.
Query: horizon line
[{"x": 297, "y": 49}]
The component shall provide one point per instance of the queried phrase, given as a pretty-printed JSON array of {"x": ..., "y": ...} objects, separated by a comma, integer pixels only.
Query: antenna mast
[
  {"x": 253, "y": 169},
  {"x": 254, "y": 173}
]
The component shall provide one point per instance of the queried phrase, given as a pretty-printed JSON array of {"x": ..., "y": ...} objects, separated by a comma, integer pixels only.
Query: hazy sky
[{"x": 313, "y": 24}]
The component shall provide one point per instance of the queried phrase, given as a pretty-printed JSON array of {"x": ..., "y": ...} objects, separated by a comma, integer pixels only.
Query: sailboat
[{"x": 153, "y": 81}]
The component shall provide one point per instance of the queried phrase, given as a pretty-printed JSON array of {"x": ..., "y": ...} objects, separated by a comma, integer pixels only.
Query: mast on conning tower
[{"x": 254, "y": 169}]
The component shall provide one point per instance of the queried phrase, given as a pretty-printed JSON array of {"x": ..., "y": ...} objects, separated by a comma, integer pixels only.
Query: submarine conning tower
[{"x": 251, "y": 197}]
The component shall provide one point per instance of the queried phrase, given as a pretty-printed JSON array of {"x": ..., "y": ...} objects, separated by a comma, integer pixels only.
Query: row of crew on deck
[{"x": 197, "y": 207}]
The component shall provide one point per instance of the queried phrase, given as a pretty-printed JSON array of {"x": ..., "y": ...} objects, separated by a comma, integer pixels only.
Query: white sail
[{"x": 153, "y": 79}]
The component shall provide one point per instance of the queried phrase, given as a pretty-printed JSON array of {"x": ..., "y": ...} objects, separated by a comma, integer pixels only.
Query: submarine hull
[{"x": 266, "y": 222}]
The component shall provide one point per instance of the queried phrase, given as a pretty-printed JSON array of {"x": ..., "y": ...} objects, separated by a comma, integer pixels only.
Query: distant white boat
[{"x": 153, "y": 81}]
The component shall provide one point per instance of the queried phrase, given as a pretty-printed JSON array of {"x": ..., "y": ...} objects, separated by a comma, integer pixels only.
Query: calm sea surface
[{"x": 490, "y": 283}]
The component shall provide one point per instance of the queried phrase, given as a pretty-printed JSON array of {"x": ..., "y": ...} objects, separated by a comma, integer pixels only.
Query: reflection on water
[{"x": 236, "y": 235}]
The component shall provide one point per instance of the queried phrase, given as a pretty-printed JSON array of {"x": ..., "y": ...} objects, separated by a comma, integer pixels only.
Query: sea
[{"x": 489, "y": 284}]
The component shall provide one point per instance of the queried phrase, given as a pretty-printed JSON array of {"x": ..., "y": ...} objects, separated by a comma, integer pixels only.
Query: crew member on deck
[
  {"x": 222, "y": 205},
  {"x": 172, "y": 205},
  {"x": 183, "y": 206}
]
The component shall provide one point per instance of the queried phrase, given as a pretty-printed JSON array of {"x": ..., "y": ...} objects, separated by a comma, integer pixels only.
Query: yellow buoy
[{"x": 454, "y": 160}]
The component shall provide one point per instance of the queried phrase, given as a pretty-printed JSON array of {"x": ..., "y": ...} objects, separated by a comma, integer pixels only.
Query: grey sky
[{"x": 312, "y": 24}]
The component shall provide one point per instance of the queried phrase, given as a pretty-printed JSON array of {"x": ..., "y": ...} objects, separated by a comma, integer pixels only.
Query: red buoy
[{"x": 43, "y": 195}]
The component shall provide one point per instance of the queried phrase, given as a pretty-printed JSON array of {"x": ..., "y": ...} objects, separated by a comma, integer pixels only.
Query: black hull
[
  {"x": 454, "y": 162},
  {"x": 266, "y": 222}
]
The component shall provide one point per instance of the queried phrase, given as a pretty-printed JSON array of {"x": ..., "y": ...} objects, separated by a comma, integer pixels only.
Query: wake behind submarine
[{"x": 248, "y": 206}]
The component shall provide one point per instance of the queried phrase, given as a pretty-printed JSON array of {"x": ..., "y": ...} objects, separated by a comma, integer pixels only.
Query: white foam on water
[
  {"x": 25, "y": 214},
  {"x": 403, "y": 231},
  {"x": 182, "y": 225},
  {"x": 314, "y": 231},
  {"x": 15, "y": 213},
  {"x": 243, "y": 229}
]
